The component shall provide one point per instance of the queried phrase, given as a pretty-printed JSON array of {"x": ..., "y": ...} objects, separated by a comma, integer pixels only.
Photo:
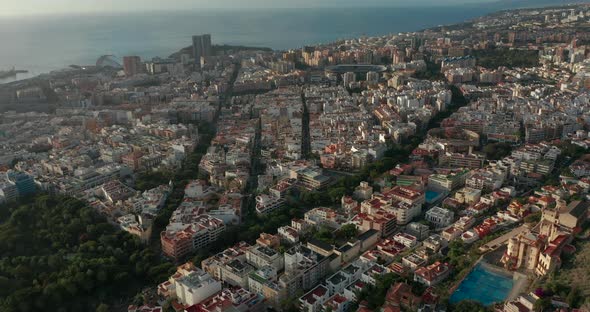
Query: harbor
[{"x": 11, "y": 73}]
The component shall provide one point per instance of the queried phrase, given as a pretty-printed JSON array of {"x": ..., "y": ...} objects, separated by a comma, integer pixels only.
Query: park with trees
[{"x": 58, "y": 254}]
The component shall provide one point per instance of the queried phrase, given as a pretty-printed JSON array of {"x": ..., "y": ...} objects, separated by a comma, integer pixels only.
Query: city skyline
[{"x": 439, "y": 163}]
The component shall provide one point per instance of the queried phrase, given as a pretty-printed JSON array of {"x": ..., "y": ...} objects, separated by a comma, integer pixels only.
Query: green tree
[
  {"x": 573, "y": 298},
  {"x": 103, "y": 308},
  {"x": 468, "y": 306},
  {"x": 336, "y": 194},
  {"x": 496, "y": 57},
  {"x": 496, "y": 151},
  {"x": 68, "y": 257},
  {"x": 347, "y": 231},
  {"x": 542, "y": 304},
  {"x": 533, "y": 218}
]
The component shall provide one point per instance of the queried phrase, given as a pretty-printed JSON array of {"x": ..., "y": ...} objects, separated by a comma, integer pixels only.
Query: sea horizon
[{"x": 44, "y": 43}]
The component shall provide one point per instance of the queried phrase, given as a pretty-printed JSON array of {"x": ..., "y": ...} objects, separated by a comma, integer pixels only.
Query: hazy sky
[{"x": 27, "y": 7}]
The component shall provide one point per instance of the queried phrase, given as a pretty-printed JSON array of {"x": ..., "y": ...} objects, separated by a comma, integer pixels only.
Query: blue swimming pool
[
  {"x": 484, "y": 286},
  {"x": 431, "y": 196}
]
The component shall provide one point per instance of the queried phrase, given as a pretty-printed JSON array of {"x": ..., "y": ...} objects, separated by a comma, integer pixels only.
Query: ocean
[{"x": 40, "y": 44}]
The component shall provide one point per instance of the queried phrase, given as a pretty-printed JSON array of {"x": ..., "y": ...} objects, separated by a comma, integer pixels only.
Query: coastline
[
  {"x": 273, "y": 39},
  {"x": 256, "y": 39}
]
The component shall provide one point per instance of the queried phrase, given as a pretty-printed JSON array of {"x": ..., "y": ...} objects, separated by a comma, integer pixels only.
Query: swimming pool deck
[{"x": 521, "y": 282}]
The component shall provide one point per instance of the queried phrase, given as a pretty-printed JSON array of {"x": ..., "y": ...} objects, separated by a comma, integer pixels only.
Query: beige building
[
  {"x": 264, "y": 281},
  {"x": 574, "y": 214},
  {"x": 539, "y": 250},
  {"x": 468, "y": 195}
]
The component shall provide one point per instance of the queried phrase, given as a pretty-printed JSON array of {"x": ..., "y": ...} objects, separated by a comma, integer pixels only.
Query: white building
[
  {"x": 189, "y": 285},
  {"x": 440, "y": 217},
  {"x": 349, "y": 78},
  {"x": 266, "y": 204},
  {"x": 363, "y": 191},
  {"x": 261, "y": 256},
  {"x": 406, "y": 239},
  {"x": 8, "y": 192},
  {"x": 313, "y": 300},
  {"x": 288, "y": 234}
]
